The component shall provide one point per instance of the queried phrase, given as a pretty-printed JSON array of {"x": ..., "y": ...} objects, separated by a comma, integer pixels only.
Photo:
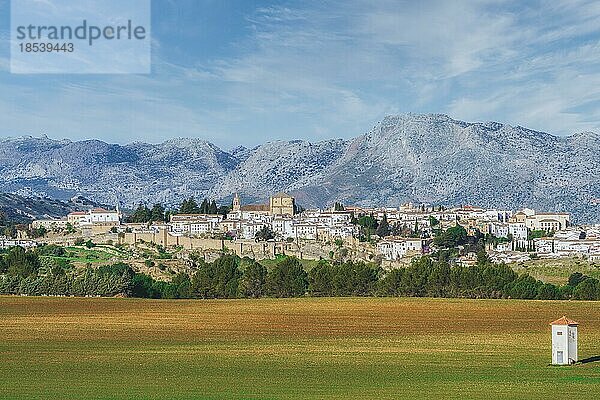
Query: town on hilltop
[{"x": 389, "y": 236}]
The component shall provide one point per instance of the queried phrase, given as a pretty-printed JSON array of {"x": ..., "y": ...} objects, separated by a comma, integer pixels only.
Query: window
[{"x": 559, "y": 333}]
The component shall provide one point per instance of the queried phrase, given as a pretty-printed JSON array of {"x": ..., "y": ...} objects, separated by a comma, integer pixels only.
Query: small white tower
[
  {"x": 236, "y": 203},
  {"x": 564, "y": 341}
]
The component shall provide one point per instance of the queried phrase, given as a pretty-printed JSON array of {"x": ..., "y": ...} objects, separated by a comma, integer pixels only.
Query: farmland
[{"x": 73, "y": 348}]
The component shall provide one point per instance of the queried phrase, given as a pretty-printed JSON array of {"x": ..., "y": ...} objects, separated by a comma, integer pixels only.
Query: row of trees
[
  {"x": 369, "y": 225},
  {"x": 231, "y": 277},
  {"x": 158, "y": 213}
]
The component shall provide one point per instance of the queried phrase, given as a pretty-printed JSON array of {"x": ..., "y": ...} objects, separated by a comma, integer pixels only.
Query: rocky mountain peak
[{"x": 407, "y": 157}]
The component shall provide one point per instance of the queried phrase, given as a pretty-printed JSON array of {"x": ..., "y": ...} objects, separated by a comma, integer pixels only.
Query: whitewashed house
[
  {"x": 519, "y": 232},
  {"x": 250, "y": 229},
  {"x": 305, "y": 231},
  {"x": 195, "y": 224},
  {"x": 100, "y": 215},
  {"x": 564, "y": 341},
  {"x": 95, "y": 216},
  {"x": 283, "y": 227},
  {"x": 50, "y": 223},
  {"x": 394, "y": 249},
  {"x": 499, "y": 230}
]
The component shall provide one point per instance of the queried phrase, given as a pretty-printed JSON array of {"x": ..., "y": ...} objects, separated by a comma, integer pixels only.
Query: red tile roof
[
  {"x": 564, "y": 321},
  {"x": 256, "y": 207}
]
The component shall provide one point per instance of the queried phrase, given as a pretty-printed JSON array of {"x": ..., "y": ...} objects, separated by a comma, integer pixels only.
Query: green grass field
[
  {"x": 65, "y": 348},
  {"x": 557, "y": 271},
  {"x": 84, "y": 256}
]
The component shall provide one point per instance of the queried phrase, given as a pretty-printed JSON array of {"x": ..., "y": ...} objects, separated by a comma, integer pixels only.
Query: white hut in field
[{"x": 564, "y": 341}]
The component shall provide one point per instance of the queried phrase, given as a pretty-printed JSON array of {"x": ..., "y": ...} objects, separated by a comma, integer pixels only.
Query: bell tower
[{"x": 236, "y": 203}]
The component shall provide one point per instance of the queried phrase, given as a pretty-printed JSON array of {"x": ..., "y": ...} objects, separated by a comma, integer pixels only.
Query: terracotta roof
[
  {"x": 256, "y": 207},
  {"x": 564, "y": 321}
]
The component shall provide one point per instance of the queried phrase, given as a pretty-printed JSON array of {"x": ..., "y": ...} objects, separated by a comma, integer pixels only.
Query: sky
[{"x": 243, "y": 72}]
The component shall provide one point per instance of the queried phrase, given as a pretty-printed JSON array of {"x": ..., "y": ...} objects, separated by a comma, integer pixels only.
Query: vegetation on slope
[{"x": 35, "y": 273}]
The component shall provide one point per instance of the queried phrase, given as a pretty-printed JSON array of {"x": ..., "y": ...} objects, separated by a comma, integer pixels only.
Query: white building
[
  {"x": 548, "y": 221},
  {"x": 394, "y": 249},
  {"x": 518, "y": 231},
  {"x": 77, "y": 218},
  {"x": 250, "y": 229},
  {"x": 564, "y": 341},
  {"x": 8, "y": 243},
  {"x": 305, "y": 230},
  {"x": 50, "y": 223},
  {"x": 100, "y": 215},
  {"x": 499, "y": 230},
  {"x": 195, "y": 224},
  {"x": 343, "y": 231},
  {"x": 94, "y": 216},
  {"x": 283, "y": 227}
]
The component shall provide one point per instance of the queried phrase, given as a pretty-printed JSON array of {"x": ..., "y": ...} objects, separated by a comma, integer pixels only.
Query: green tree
[
  {"x": 212, "y": 208},
  {"x": 10, "y": 231},
  {"x": 203, "y": 281},
  {"x": 253, "y": 280},
  {"x": 496, "y": 277},
  {"x": 204, "y": 207},
  {"x": 415, "y": 277},
  {"x": 384, "y": 227},
  {"x": 157, "y": 214},
  {"x": 391, "y": 284},
  {"x": 226, "y": 276},
  {"x": 264, "y": 234},
  {"x": 21, "y": 263},
  {"x": 37, "y": 232},
  {"x": 548, "y": 291},
  {"x": 182, "y": 286},
  {"x": 576, "y": 278},
  {"x": 219, "y": 279},
  {"x": 141, "y": 215},
  {"x": 146, "y": 287},
  {"x": 524, "y": 287},
  {"x": 224, "y": 210},
  {"x": 588, "y": 289},
  {"x": 482, "y": 258},
  {"x": 452, "y": 237},
  {"x": 438, "y": 280},
  {"x": 3, "y": 265},
  {"x": 368, "y": 225},
  {"x": 51, "y": 250},
  {"x": 320, "y": 279},
  {"x": 287, "y": 279},
  {"x": 189, "y": 206}
]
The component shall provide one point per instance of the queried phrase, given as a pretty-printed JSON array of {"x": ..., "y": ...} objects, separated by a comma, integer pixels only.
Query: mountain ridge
[{"x": 429, "y": 158}]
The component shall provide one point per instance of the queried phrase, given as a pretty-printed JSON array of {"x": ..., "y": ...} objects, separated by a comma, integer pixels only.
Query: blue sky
[{"x": 246, "y": 72}]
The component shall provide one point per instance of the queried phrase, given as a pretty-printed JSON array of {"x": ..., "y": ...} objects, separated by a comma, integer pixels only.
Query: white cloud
[{"x": 331, "y": 69}]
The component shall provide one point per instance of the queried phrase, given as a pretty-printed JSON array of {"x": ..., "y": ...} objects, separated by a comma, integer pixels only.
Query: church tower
[{"x": 236, "y": 203}]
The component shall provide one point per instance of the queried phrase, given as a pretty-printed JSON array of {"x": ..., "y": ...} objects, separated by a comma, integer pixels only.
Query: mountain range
[
  {"x": 19, "y": 209},
  {"x": 423, "y": 158}
]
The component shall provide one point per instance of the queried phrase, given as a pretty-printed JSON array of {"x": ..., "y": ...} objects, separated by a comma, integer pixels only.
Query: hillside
[
  {"x": 410, "y": 157},
  {"x": 21, "y": 209}
]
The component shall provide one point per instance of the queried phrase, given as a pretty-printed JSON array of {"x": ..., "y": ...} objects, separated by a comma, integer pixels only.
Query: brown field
[{"x": 290, "y": 348}]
